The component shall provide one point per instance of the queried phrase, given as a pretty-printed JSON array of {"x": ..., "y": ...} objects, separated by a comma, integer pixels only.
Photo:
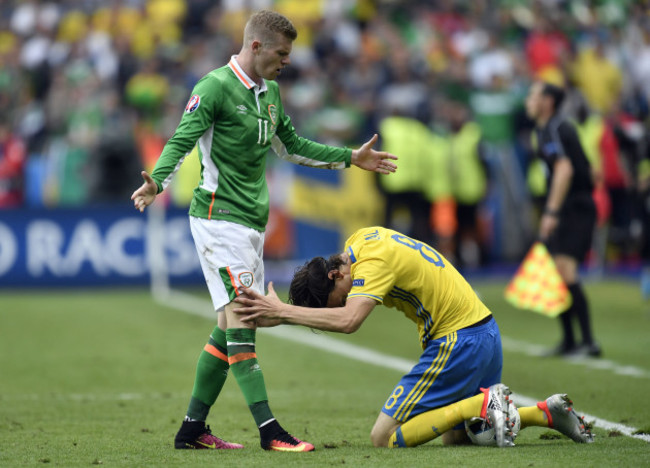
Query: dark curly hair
[{"x": 310, "y": 286}]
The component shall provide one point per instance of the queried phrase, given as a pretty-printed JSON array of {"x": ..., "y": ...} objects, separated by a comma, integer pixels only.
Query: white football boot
[{"x": 495, "y": 409}]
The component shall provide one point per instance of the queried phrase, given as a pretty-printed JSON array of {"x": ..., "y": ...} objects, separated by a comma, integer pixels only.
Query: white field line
[
  {"x": 521, "y": 347},
  {"x": 195, "y": 306},
  {"x": 92, "y": 396}
]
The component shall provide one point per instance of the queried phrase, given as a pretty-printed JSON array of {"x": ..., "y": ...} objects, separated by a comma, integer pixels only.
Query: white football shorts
[{"x": 230, "y": 256}]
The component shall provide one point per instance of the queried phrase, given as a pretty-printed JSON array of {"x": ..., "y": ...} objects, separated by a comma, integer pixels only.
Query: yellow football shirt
[{"x": 414, "y": 278}]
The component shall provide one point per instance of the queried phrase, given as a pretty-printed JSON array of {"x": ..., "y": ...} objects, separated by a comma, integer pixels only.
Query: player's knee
[
  {"x": 378, "y": 440},
  {"x": 455, "y": 437},
  {"x": 379, "y": 437},
  {"x": 383, "y": 429},
  {"x": 233, "y": 320}
]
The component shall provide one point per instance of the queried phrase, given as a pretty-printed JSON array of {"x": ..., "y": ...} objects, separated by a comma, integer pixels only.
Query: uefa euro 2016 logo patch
[
  {"x": 358, "y": 282},
  {"x": 193, "y": 104}
]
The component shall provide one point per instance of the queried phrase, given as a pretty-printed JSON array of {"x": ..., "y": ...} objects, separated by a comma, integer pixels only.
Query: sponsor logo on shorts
[
  {"x": 246, "y": 279},
  {"x": 358, "y": 282},
  {"x": 193, "y": 104}
]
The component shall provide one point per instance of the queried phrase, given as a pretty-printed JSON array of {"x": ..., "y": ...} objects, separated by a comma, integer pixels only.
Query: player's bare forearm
[
  {"x": 371, "y": 160},
  {"x": 258, "y": 308},
  {"x": 335, "y": 319},
  {"x": 345, "y": 319}
]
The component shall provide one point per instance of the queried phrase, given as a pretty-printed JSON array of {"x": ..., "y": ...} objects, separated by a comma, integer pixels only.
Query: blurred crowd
[{"x": 90, "y": 91}]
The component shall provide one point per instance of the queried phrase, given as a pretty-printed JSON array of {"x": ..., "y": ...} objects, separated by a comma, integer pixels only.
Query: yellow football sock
[
  {"x": 532, "y": 416},
  {"x": 427, "y": 426}
]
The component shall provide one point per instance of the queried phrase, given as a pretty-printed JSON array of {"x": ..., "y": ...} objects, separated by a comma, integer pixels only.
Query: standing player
[
  {"x": 569, "y": 216},
  {"x": 459, "y": 371},
  {"x": 236, "y": 115}
]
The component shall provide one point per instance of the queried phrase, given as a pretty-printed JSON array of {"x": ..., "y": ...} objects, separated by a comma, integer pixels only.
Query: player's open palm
[
  {"x": 146, "y": 194},
  {"x": 371, "y": 160}
]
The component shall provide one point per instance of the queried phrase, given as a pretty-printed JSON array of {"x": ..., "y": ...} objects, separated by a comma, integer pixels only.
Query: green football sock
[
  {"x": 243, "y": 362},
  {"x": 211, "y": 374}
]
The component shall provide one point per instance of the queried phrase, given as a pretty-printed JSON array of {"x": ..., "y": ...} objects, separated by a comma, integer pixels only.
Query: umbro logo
[{"x": 241, "y": 109}]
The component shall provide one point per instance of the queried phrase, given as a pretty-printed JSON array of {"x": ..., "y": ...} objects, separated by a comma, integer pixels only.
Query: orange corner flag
[{"x": 537, "y": 285}]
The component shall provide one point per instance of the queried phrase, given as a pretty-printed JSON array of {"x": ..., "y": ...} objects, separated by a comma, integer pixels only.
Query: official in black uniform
[{"x": 569, "y": 216}]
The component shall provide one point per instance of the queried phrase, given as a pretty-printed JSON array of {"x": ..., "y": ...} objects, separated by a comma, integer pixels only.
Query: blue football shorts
[{"x": 451, "y": 369}]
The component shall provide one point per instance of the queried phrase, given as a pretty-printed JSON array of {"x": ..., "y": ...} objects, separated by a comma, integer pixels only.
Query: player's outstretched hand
[
  {"x": 264, "y": 311},
  {"x": 146, "y": 194},
  {"x": 376, "y": 161}
]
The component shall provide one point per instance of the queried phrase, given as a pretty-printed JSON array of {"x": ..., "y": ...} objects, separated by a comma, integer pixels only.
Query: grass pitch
[{"x": 104, "y": 377}]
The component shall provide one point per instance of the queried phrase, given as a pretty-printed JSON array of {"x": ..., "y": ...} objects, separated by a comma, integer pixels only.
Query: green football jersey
[{"x": 235, "y": 122}]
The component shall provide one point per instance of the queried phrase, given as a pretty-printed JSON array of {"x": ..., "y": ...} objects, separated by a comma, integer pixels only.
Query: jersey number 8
[{"x": 428, "y": 253}]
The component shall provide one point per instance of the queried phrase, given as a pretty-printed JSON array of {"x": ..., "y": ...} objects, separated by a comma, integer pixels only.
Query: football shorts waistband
[{"x": 479, "y": 323}]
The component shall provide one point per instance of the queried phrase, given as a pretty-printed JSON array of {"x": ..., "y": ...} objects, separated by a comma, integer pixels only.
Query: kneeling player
[{"x": 459, "y": 371}]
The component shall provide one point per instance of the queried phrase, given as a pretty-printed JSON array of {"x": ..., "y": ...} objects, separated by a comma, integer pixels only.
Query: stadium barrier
[
  {"x": 114, "y": 245},
  {"x": 90, "y": 246}
]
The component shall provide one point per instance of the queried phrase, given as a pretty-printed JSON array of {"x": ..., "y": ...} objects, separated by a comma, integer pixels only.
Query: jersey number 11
[{"x": 263, "y": 134}]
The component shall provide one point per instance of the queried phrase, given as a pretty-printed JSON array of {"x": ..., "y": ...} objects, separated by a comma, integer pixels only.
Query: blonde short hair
[{"x": 265, "y": 25}]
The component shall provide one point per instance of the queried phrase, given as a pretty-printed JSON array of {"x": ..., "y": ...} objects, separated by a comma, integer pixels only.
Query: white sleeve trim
[
  {"x": 168, "y": 179},
  {"x": 281, "y": 150}
]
